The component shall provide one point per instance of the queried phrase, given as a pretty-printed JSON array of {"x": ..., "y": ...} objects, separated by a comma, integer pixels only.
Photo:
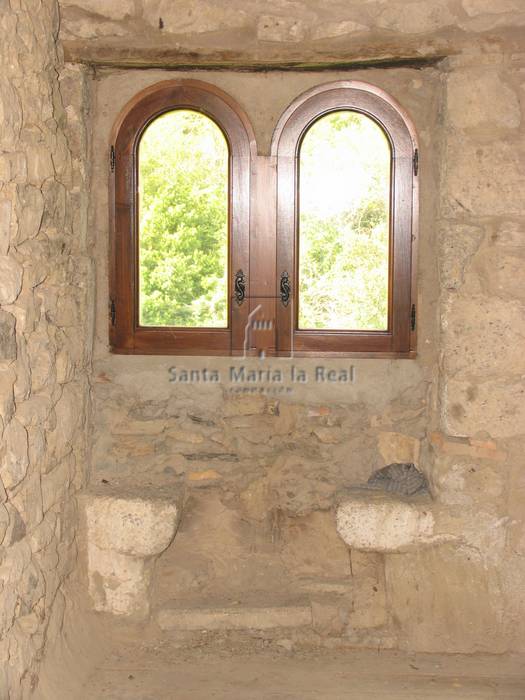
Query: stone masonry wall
[
  {"x": 480, "y": 467},
  {"x": 260, "y": 476},
  {"x": 260, "y": 473},
  {"x": 162, "y": 32},
  {"x": 474, "y": 592},
  {"x": 45, "y": 278}
]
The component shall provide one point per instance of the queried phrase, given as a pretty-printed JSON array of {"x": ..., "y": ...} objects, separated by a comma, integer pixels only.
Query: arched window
[
  {"x": 217, "y": 249},
  {"x": 181, "y": 164},
  {"x": 346, "y": 210}
]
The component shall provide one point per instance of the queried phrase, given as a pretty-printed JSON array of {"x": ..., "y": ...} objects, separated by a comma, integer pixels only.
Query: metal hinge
[
  {"x": 413, "y": 317},
  {"x": 112, "y": 312},
  {"x": 112, "y": 158},
  {"x": 415, "y": 161}
]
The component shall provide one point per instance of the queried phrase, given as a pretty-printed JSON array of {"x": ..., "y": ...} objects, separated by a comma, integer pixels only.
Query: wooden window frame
[
  {"x": 126, "y": 335},
  {"x": 400, "y": 338},
  {"x": 263, "y": 224}
]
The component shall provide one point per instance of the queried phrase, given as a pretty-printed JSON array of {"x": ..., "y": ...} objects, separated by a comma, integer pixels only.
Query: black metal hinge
[
  {"x": 415, "y": 161},
  {"x": 112, "y": 158},
  {"x": 112, "y": 312},
  {"x": 413, "y": 317}
]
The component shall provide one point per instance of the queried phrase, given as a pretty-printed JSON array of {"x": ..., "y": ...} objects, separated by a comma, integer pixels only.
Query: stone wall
[
  {"x": 45, "y": 278},
  {"x": 479, "y": 466},
  {"x": 260, "y": 475},
  {"x": 161, "y": 33},
  {"x": 469, "y": 597}
]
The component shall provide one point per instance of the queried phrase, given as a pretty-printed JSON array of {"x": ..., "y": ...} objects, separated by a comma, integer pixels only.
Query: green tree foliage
[
  {"x": 344, "y": 205},
  {"x": 183, "y": 182},
  {"x": 344, "y": 226}
]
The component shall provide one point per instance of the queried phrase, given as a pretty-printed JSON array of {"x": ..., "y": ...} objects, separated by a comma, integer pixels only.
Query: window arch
[
  {"x": 342, "y": 301},
  {"x": 176, "y": 187}
]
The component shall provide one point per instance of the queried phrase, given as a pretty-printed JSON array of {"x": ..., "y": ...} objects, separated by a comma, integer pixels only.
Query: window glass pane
[
  {"x": 344, "y": 210},
  {"x": 183, "y": 222}
]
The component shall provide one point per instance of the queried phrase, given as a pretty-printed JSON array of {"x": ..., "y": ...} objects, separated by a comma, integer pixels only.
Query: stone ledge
[
  {"x": 133, "y": 526},
  {"x": 126, "y": 530},
  {"x": 230, "y": 618},
  {"x": 382, "y": 522}
]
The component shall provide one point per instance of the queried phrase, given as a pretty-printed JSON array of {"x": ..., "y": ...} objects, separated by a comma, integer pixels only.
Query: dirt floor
[{"x": 163, "y": 672}]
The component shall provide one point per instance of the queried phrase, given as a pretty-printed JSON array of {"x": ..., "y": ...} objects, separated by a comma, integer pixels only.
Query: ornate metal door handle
[
  {"x": 240, "y": 287},
  {"x": 285, "y": 288}
]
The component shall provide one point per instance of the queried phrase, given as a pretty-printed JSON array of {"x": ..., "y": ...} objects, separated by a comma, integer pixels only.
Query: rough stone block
[
  {"x": 469, "y": 93},
  {"x": 87, "y": 28},
  {"x": 378, "y": 523},
  {"x": 480, "y": 7},
  {"x": 69, "y": 413},
  {"x": 4, "y": 522},
  {"x": 131, "y": 526},
  {"x": 125, "y": 534},
  {"x": 15, "y": 462},
  {"x": 396, "y": 447},
  {"x": 329, "y": 30},
  {"x": 7, "y": 404},
  {"x": 193, "y": 16},
  {"x": 495, "y": 406},
  {"x": 28, "y": 501},
  {"x": 416, "y": 17},
  {"x": 467, "y": 447},
  {"x": 282, "y": 29},
  {"x": 483, "y": 336},
  {"x": 204, "y": 478},
  {"x": 445, "y": 599},
  {"x": 369, "y": 605},
  {"x": 499, "y": 271},
  {"x": 7, "y": 336},
  {"x": 118, "y": 583},
  {"x": 16, "y": 529},
  {"x": 459, "y": 243},
  {"x": 239, "y": 617},
  {"x": 116, "y": 9},
  {"x": 484, "y": 180},
  {"x": 330, "y": 616},
  {"x": 5, "y": 225},
  {"x": 39, "y": 163},
  {"x": 56, "y": 484},
  {"x": 244, "y": 406},
  {"x": 30, "y": 211},
  {"x": 10, "y": 279},
  {"x": 510, "y": 235},
  {"x": 328, "y": 435}
]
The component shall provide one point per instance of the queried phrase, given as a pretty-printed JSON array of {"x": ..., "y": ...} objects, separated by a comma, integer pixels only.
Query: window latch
[
  {"x": 415, "y": 161},
  {"x": 413, "y": 317},
  {"x": 240, "y": 287},
  {"x": 285, "y": 289},
  {"x": 113, "y": 312},
  {"x": 112, "y": 158}
]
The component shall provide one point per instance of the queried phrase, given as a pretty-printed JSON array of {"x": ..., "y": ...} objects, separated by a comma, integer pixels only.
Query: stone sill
[{"x": 375, "y": 521}]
